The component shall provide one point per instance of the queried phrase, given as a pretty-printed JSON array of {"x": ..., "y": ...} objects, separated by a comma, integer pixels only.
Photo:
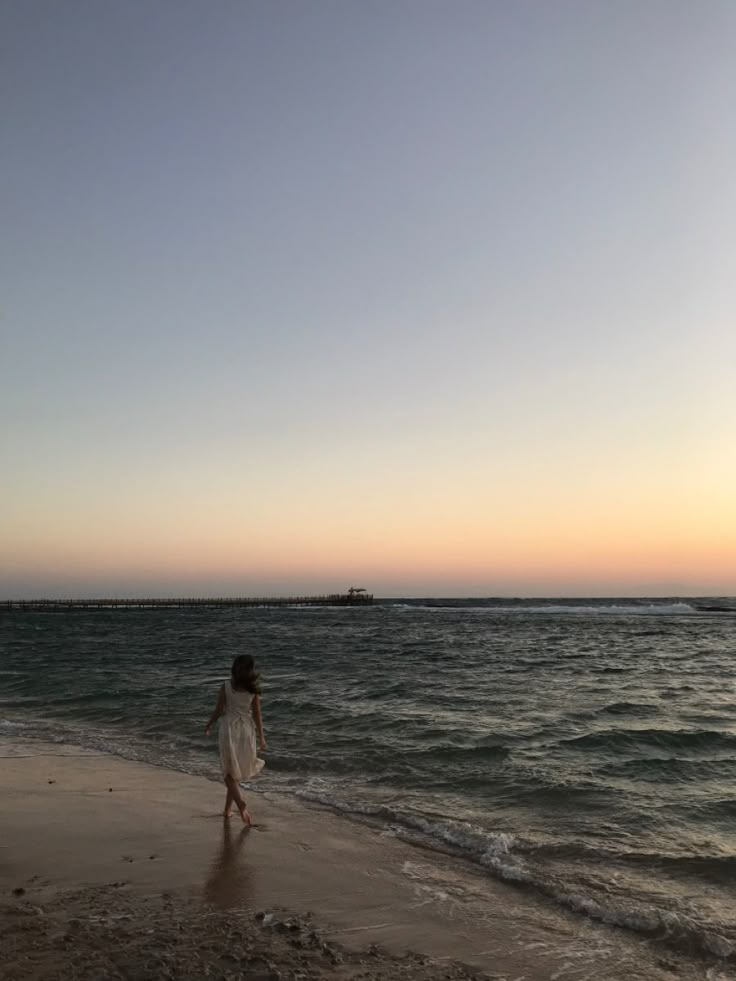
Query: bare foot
[
  {"x": 246, "y": 817},
  {"x": 228, "y": 812}
]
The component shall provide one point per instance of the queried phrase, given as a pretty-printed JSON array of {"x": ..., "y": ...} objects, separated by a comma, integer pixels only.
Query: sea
[{"x": 584, "y": 749}]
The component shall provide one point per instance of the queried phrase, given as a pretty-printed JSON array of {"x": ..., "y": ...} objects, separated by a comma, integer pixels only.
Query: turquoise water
[{"x": 585, "y": 749}]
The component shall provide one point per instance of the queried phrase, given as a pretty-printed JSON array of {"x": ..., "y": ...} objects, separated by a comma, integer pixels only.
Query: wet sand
[{"x": 110, "y": 868}]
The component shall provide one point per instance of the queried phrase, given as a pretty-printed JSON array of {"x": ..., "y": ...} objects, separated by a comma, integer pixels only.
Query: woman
[{"x": 240, "y": 704}]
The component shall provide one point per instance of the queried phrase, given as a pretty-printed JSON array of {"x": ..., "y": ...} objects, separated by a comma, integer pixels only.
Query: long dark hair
[{"x": 244, "y": 675}]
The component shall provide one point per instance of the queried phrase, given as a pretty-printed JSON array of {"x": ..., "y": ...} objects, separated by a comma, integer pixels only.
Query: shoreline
[
  {"x": 82, "y": 829},
  {"x": 487, "y": 856}
]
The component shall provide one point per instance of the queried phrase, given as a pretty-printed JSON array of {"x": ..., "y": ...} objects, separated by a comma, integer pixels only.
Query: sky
[{"x": 431, "y": 298}]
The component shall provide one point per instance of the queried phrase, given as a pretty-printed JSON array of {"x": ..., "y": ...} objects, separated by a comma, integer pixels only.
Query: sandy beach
[{"x": 117, "y": 869}]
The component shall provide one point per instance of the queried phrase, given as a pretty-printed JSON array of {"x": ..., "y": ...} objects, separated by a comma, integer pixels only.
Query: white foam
[
  {"x": 678, "y": 608},
  {"x": 498, "y": 852}
]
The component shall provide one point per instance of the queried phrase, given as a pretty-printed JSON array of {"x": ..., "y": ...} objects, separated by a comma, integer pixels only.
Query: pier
[{"x": 351, "y": 598}]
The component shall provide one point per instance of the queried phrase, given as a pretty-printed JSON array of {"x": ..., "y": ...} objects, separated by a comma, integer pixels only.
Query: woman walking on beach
[{"x": 240, "y": 703}]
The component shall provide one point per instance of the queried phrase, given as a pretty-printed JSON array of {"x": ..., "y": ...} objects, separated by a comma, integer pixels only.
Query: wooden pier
[{"x": 60, "y": 605}]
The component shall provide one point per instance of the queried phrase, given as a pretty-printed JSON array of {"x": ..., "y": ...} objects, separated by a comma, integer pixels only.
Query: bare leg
[
  {"x": 228, "y": 803},
  {"x": 234, "y": 791}
]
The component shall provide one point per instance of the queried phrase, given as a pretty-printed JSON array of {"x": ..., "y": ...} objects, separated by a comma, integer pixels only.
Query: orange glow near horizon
[
  {"x": 630, "y": 553},
  {"x": 449, "y": 522}
]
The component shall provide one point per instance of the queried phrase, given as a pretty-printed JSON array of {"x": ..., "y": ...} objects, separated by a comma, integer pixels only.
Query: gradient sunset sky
[{"x": 431, "y": 298}]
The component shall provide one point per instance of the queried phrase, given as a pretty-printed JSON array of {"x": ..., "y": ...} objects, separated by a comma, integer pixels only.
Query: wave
[
  {"x": 629, "y": 708},
  {"x": 587, "y": 607},
  {"x": 716, "y": 608},
  {"x": 637, "y": 609},
  {"x": 672, "y": 768},
  {"x": 713, "y": 868},
  {"x": 723, "y": 809},
  {"x": 506, "y": 856},
  {"x": 679, "y": 930},
  {"x": 620, "y": 740}
]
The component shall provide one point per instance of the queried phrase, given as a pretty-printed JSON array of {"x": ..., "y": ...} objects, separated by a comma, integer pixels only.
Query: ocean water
[{"x": 583, "y": 749}]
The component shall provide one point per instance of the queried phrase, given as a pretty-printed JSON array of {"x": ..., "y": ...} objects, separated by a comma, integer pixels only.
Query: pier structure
[{"x": 353, "y": 598}]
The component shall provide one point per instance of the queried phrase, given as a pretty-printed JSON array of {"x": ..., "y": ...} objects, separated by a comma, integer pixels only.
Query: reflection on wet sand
[{"x": 230, "y": 880}]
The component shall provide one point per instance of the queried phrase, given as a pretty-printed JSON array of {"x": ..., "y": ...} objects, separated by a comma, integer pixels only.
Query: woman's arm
[
  {"x": 258, "y": 719},
  {"x": 219, "y": 710}
]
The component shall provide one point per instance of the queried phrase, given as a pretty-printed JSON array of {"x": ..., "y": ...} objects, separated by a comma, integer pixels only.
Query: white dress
[{"x": 237, "y": 736}]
